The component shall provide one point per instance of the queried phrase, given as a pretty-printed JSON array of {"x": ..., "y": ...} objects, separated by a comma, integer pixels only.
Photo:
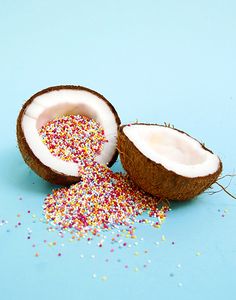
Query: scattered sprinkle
[{"x": 104, "y": 278}]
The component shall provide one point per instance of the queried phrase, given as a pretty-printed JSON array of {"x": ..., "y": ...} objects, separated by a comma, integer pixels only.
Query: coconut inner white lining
[
  {"x": 175, "y": 151},
  {"x": 63, "y": 102}
]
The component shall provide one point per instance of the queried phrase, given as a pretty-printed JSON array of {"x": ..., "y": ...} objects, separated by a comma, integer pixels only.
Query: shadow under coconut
[
  {"x": 18, "y": 175},
  {"x": 175, "y": 205}
]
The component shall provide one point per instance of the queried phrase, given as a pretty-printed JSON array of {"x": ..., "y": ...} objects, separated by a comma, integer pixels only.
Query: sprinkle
[
  {"x": 136, "y": 269},
  {"x": 94, "y": 275},
  {"x": 92, "y": 256},
  {"x": 59, "y": 254},
  {"x": 136, "y": 253},
  {"x": 37, "y": 254},
  {"x": 18, "y": 215},
  {"x": 163, "y": 238},
  {"x": 198, "y": 253},
  {"x": 126, "y": 266},
  {"x": 104, "y": 278}
]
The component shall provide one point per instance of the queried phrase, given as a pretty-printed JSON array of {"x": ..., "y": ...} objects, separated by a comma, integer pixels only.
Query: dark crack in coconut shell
[
  {"x": 58, "y": 101},
  {"x": 167, "y": 162}
]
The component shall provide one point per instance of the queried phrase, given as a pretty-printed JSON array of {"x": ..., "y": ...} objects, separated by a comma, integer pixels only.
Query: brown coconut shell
[
  {"x": 154, "y": 179},
  {"x": 32, "y": 161}
]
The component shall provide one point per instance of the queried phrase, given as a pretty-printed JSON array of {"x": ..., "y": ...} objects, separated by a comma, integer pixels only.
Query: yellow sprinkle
[
  {"x": 104, "y": 278},
  {"x": 163, "y": 238}
]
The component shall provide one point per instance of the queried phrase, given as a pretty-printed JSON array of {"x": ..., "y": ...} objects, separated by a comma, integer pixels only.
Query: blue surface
[{"x": 156, "y": 61}]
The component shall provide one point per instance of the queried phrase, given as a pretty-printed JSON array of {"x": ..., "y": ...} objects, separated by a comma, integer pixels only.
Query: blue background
[{"x": 156, "y": 61}]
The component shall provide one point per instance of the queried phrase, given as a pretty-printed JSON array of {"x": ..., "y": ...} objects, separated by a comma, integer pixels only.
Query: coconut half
[
  {"x": 167, "y": 162},
  {"x": 59, "y": 101}
]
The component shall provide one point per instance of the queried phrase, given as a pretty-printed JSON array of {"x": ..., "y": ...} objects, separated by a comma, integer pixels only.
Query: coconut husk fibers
[
  {"x": 154, "y": 179},
  {"x": 32, "y": 161}
]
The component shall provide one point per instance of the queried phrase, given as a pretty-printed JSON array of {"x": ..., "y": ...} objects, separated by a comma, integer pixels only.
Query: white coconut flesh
[
  {"x": 64, "y": 102},
  {"x": 174, "y": 150}
]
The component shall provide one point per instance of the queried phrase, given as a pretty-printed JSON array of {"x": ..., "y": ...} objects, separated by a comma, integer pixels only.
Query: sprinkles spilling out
[{"x": 102, "y": 200}]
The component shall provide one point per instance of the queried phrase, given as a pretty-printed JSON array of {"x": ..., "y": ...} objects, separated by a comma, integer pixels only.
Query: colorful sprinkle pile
[
  {"x": 102, "y": 200},
  {"x": 73, "y": 138}
]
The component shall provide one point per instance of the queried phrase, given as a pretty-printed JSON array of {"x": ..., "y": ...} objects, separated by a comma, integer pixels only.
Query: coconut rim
[{"x": 21, "y": 135}]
